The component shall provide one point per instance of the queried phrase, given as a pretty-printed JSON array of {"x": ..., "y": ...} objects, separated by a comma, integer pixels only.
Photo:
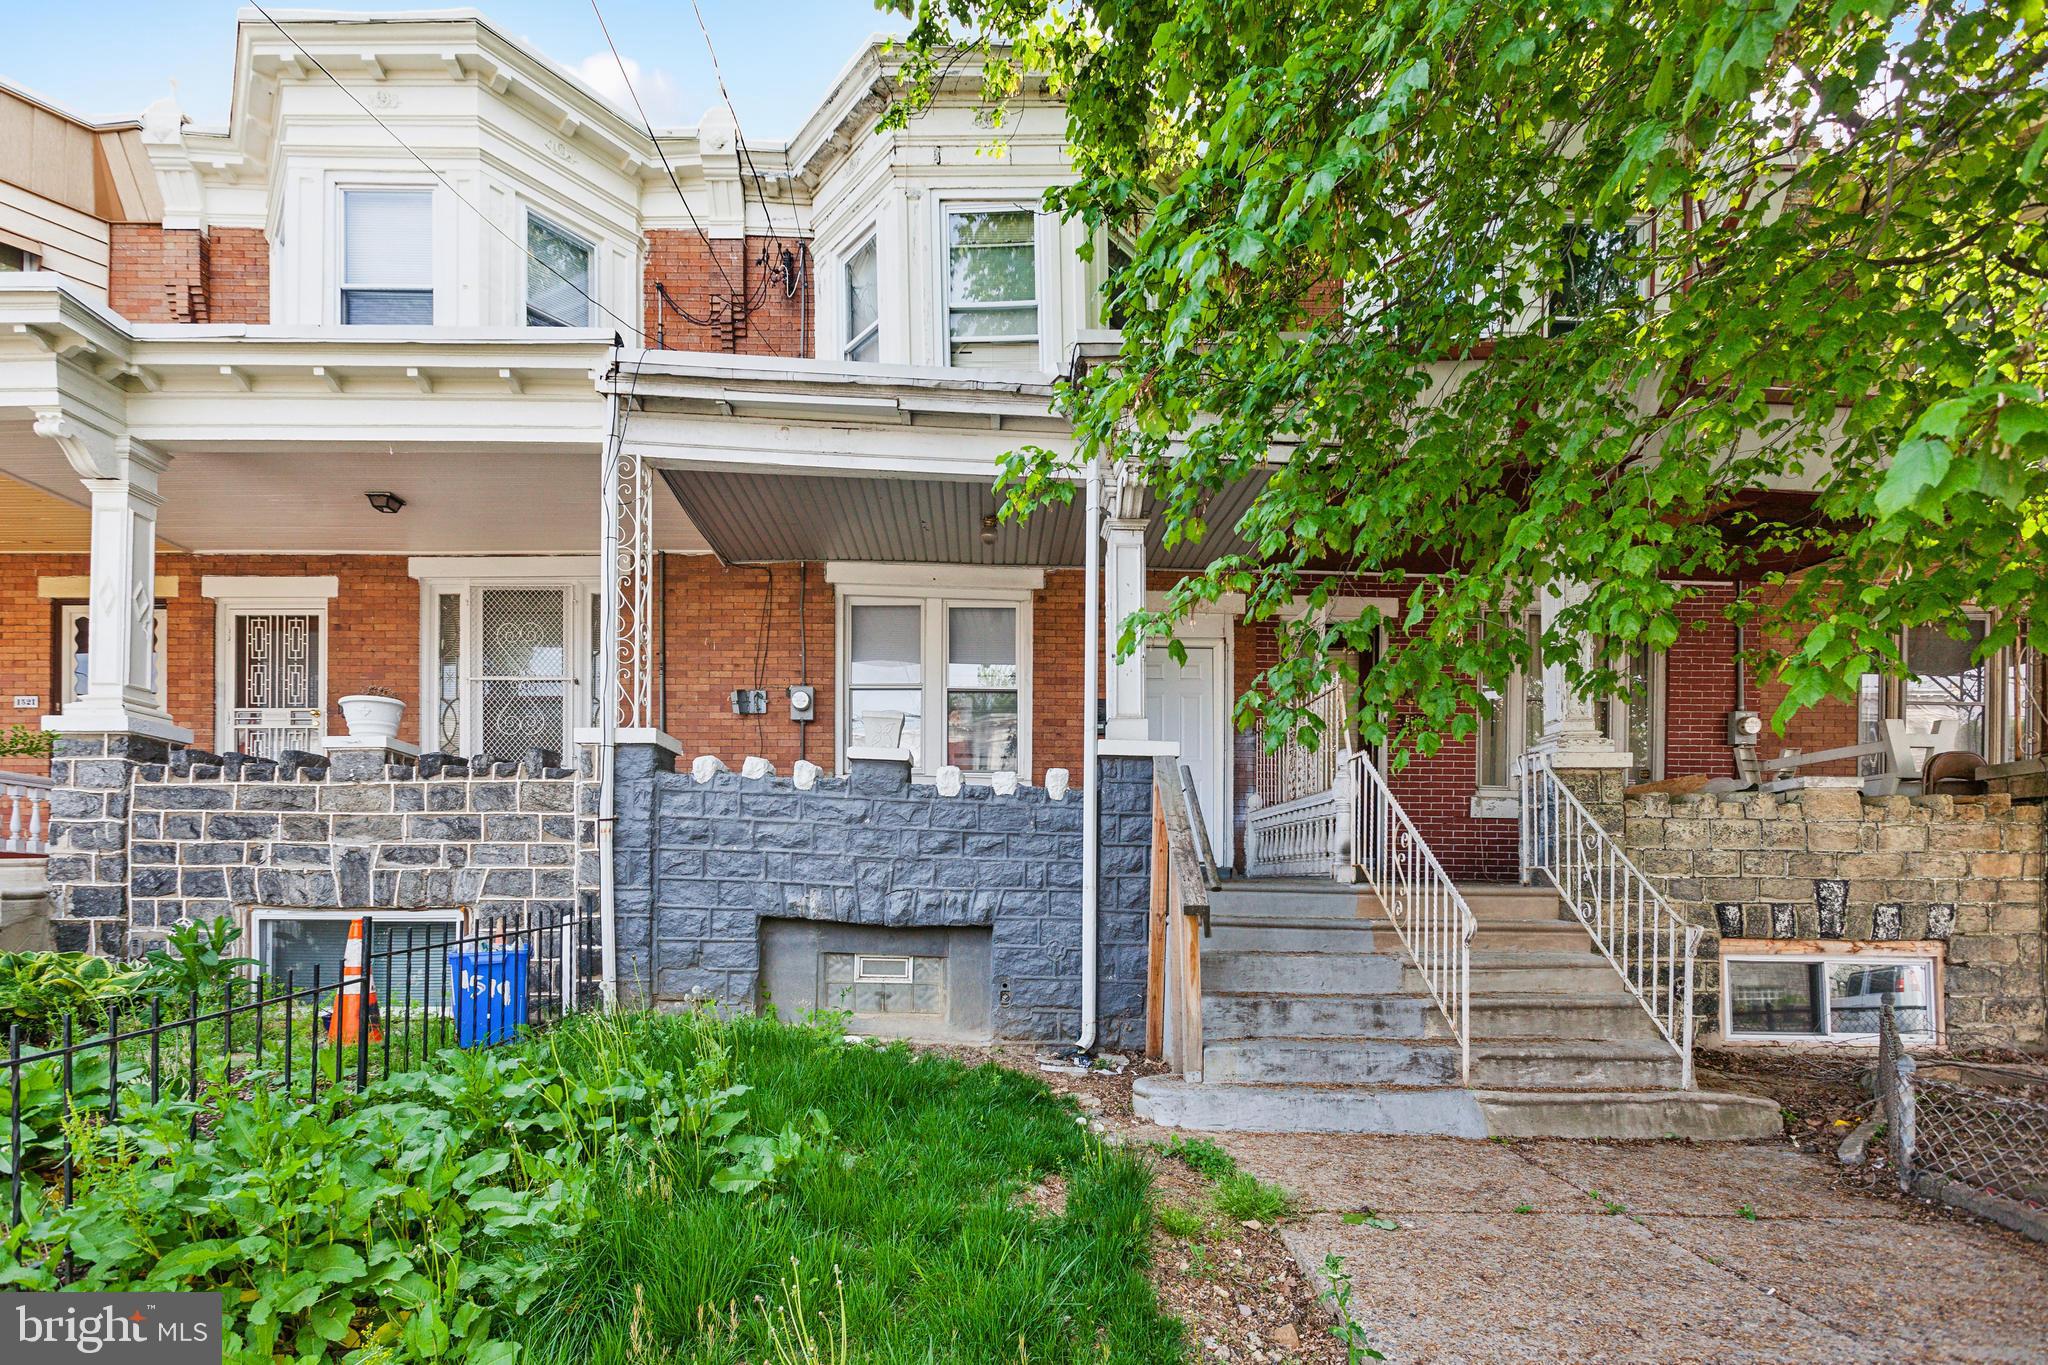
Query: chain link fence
[{"x": 1975, "y": 1138}]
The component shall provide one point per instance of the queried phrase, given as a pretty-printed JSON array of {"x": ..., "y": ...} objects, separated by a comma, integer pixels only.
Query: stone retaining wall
[
  {"x": 699, "y": 863},
  {"x": 1833, "y": 864}
]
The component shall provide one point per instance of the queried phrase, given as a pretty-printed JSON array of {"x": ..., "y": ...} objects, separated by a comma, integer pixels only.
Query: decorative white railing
[
  {"x": 1296, "y": 838},
  {"x": 24, "y": 813},
  {"x": 1631, "y": 922},
  {"x": 1419, "y": 897},
  {"x": 1292, "y": 771}
]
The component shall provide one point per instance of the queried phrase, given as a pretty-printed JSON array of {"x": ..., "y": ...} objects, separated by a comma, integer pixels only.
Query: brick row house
[{"x": 431, "y": 379}]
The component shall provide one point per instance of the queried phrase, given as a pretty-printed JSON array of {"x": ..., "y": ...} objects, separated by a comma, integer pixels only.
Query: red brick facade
[
  {"x": 738, "y": 292},
  {"x": 744, "y": 626},
  {"x": 159, "y": 274}
]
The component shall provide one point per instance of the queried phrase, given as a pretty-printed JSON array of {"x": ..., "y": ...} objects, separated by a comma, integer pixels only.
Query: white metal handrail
[
  {"x": 1419, "y": 897},
  {"x": 1634, "y": 926},
  {"x": 24, "y": 813}
]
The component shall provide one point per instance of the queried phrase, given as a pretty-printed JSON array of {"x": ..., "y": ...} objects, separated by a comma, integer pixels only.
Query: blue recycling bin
[{"x": 490, "y": 994}]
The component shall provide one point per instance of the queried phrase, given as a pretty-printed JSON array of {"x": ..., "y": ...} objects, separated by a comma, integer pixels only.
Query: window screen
[
  {"x": 387, "y": 265},
  {"x": 885, "y": 675},
  {"x": 557, "y": 276},
  {"x": 416, "y": 976}
]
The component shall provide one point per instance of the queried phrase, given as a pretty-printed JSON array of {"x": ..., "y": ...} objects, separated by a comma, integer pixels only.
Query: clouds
[{"x": 657, "y": 90}]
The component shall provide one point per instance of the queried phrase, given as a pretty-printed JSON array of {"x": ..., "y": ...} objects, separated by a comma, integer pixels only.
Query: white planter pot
[{"x": 372, "y": 718}]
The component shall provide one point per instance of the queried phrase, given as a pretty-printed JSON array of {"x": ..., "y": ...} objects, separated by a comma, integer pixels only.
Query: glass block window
[
  {"x": 865, "y": 984},
  {"x": 863, "y": 304},
  {"x": 387, "y": 257},
  {"x": 522, "y": 670},
  {"x": 1819, "y": 996},
  {"x": 557, "y": 276},
  {"x": 298, "y": 942},
  {"x": 982, "y": 720},
  {"x": 885, "y": 676},
  {"x": 992, "y": 287}
]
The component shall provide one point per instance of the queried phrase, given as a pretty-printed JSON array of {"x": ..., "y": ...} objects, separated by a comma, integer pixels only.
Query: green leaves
[{"x": 1653, "y": 299}]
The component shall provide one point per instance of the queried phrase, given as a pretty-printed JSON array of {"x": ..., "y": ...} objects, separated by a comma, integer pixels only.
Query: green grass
[
  {"x": 1201, "y": 1156},
  {"x": 1244, "y": 1196},
  {"x": 909, "y": 1209},
  {"x": 1183, "y": 1223}
]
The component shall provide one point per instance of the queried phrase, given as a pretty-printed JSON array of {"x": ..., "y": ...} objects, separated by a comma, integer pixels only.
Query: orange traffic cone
[{"x": 349, "y": 1000}]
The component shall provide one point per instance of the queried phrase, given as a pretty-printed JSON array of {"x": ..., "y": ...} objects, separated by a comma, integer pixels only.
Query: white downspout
[
  {"x": 1091, "y": 796},
  {"x": 608, "y": 710}
]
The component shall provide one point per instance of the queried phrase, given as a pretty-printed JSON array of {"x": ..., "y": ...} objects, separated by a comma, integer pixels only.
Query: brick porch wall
[
  {"x": 238, "y": 275},
  {"x": 373, "y": 631}
]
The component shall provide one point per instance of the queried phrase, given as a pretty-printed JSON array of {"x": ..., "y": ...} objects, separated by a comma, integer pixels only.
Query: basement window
[
  {"x": 300, "y": 942},
  {"x": 1827, "y": 997}
]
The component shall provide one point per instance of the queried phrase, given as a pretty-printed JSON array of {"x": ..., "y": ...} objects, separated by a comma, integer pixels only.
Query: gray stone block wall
[
  {"x": 697, "y": 865},
  {"x": 91, "y": 779},
  {"x": 1835, "y": 865}
]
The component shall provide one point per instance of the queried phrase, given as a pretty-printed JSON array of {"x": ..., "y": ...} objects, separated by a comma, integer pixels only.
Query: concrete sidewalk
[{"x": 1644, "y": 1253}]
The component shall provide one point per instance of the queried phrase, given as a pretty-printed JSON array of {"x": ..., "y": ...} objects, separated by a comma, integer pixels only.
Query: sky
[{"x": 109, "y": 59}]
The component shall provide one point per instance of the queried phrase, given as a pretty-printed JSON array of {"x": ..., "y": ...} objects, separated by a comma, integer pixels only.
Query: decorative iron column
[{"x": 628, "y": 582}]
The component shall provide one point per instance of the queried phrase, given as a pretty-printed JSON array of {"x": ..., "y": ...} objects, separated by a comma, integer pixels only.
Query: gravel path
[{"x": 1558, "y": 1251}]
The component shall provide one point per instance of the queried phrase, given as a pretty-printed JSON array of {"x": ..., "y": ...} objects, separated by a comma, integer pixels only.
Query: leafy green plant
[
  {"x": 1747, "y": 1213},
  {"x": 37, "y": 989},
  {"x": 1366, "y": 1218},
  {"x": 1245, "y": 1197},
  {"x": 1357, "y": 1346},
  {"x": 195, "y": 961},
  {"x": 25, "y": 741},
  {"x": 1202, "y": 1156},
  {"x": 1525, "y": 1208},
  {"x": 1610, "y": 1205},
  {"x": 1184, "y": 1223}
]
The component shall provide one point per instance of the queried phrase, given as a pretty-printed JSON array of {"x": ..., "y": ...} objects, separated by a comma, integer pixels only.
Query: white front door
[{"x": 1184, "y": 703}]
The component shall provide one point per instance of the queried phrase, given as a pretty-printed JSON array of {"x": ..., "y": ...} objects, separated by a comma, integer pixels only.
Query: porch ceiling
[
  {"x": 763, "y": 518},
  {"x": 309, "y": 500}
]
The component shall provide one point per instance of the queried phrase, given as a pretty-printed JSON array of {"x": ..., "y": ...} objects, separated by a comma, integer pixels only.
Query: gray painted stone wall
[
  {"x": 144, "y": 836},
  {"x": 698, "y": 865}
]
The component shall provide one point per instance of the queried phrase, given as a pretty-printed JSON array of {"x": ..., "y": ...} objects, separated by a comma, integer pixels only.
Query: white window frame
[
  {"x": 2000, "y": 738},
  {"x": 869, "y": 236},
  {"x": 233, "y": 596},
  {"x": 943, "y": 208},
  {"x": 553, "y": 223},
  {"x": 934, "y": 589},
  {"x": 576, "y": 576},
  {"x": 338, "y": 236},
  {"x": 1929, "y": 955},
  {"x": 260, "y": 915},
  {"x": 1495, "y": 802},
  {"x": 70, "y": 611}
]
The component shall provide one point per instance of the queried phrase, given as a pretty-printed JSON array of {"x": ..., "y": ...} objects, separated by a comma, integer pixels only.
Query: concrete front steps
[{"x": 1314, "y": 1021}]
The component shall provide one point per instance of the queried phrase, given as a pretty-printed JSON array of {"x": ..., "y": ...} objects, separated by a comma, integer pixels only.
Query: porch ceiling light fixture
[
  {"x": 988, "y": 529},
  {"x": 388, "y": 503}
]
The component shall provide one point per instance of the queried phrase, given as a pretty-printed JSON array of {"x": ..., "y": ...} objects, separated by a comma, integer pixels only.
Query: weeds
[
  {"x": 1246, "y": 1198},
  {"x": 1202, "y": 1156},
  {"x": 1525, "y": 1208},
  {"x": 1746, "y": 1213},
  {"x": 1610, "y": 1205},
  {"x": 1183, "y": 1223},
  {"x": 1357, "y": 1346}
]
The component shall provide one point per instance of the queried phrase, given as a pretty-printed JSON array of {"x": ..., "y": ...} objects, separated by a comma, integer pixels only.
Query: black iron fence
[{"x": 429, "y": 987}]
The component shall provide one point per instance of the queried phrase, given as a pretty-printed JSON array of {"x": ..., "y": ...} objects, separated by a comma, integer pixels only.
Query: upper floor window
[
  {"x": 1596, "y": 275},
  {"x": 557, "y": 276},
  {"x": 14, "y": 258},
  {"x": 387, "y": 257},
  {"x": 991, "y": 287},
  {"x": 863, "y": 304}
]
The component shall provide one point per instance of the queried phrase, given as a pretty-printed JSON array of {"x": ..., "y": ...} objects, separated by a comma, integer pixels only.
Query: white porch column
[
  {"x": 1571, "y": 729},
  {"x": 120, "y": 689},
  {"x": 1124, "y": 574}
]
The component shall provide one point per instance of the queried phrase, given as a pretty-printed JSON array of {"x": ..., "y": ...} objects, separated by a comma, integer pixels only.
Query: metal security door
[
  {"x": 524, "y": 681},
  {"x": 278, "y": 699}
]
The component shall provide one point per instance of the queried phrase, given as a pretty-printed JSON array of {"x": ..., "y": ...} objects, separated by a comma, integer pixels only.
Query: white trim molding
[
  {"x": 503, "y": 566},
  {"x": 945, "y": 577},
  {"x": 78, "y": 587}
]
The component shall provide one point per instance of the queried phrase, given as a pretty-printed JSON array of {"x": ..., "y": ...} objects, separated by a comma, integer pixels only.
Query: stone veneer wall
[
  {"x": 698, "y": 864},
  {"x": 1833, "y": 864},
  {"x": 150, "y": 836}
]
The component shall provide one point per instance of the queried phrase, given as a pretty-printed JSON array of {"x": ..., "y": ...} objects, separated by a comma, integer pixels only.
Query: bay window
[
  {"x": 944, "y": 675},
  {"x": 387, "y": 257},
  {"x": 992, "y": 287}
]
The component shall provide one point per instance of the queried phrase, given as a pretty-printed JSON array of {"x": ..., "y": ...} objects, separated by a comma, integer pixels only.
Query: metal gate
[{"x": 277, "y": 684}]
